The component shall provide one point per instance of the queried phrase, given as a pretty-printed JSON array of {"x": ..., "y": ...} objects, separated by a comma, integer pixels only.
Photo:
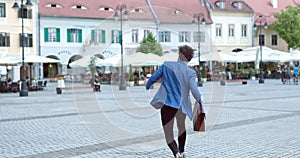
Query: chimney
[{"x": 274, "y": 3}]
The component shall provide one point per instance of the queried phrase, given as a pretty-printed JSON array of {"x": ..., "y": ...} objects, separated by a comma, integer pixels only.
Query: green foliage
[
  {"x": 251, "y": 71},
  {"x": 288, "y": 26},
  {"x": 203, "y": 71},
  {"x": 50, "y": 71},
  {"x": 150, "y": 45},
  {"x": 130, "y": 77},
  {"x": 92, "y": 66}
]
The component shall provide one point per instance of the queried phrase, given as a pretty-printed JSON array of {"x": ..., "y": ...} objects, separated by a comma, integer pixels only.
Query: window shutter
[
  {"x": 93, "y": 35},
  {"x": 29, "y": 14},
  {"x": 80, "y": 35},
  {"x": 103, "y": 36},
  {"x": 19, "y": 13},
  {"x": 57, "y": 34},
  {"x": 120, "y": 36},
  {"x": 46, "y": 39},
  {"x": 68, "y": 35}
]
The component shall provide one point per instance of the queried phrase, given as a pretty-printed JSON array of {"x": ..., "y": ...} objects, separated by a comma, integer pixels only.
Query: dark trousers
[{"x": 167, "y": 117}]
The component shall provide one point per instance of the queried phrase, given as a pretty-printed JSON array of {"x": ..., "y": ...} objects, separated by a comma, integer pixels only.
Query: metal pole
[
  {"x": 261, "y": 77},
  {"x": 122, "y": 83},
  {"x": 24, "y": 91},
  {"x": 199, "y": 67}
]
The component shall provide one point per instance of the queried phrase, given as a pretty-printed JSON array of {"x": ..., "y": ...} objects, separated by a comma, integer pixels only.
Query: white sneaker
[
  {"x": 182, "y": 155},
  {"x": 178, "y": 155}
]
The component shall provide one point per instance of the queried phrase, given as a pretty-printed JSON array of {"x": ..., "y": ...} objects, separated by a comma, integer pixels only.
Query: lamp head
[
  {"x": 116, "y": 16},
  {"x": 266, "y": 25},
  {"x": 15, "y": 6},
  {"x": 126, "y": 14},
  {"x": 203, "y": 21},
  {"x": 194, "y": 22},
  {"x": 255, "y": 26},
  {"x": 28, "y": 4}
]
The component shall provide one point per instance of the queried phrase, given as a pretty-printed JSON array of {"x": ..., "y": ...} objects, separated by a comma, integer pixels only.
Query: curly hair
[{"x": 186, "y": 53}]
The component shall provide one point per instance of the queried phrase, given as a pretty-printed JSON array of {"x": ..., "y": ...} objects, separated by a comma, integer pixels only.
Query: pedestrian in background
[{"x": 173, "y": 97}]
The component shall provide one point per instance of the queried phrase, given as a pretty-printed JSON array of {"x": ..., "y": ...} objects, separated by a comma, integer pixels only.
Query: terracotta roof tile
[
  {"x": 265, "y": 8},
  {"x": 93, "y": 7},
  {"x": 178, "y": 11}
]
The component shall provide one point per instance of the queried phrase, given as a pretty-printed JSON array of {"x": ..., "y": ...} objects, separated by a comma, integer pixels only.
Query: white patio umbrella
[
  {"x": 221, "y": 57},
  {"x": 37, "y": 59},
  {"x": 295, "y": 55},
  {"x": 112, "y": 61},
  {"x": 195, "y": 61},
  {"x": 8, "y": 61},
  {"x": 268, "y": 54},
  {"x": 84, "y": 61}
]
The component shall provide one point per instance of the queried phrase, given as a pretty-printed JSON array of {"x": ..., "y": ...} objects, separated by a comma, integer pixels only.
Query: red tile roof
[
  {"x": 265, "y": 8},
  {"x": 165, "y": 10},
  {"x": 92, "y": 10}
]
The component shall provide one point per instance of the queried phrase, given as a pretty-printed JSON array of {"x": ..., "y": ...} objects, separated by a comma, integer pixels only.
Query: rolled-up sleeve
[
  {"x": 194, "y": 89},
  {"x": 154, "y": 77}
]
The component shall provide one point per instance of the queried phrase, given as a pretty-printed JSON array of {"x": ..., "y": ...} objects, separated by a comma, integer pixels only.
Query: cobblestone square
[{"x": 253, "y": 120}]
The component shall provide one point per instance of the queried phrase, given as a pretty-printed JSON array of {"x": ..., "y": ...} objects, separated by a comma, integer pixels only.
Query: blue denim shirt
[{"x": 178, "y": 80}]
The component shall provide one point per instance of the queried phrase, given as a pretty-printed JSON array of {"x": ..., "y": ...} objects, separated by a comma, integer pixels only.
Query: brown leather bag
[{"x": 199, "y": 118}]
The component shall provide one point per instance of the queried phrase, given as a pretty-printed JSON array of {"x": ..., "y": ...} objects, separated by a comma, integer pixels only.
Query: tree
[
  {"x": 92, "y": 67},
  {"x": 150, "y": 45},
  {"x": 288, "y": 26}
]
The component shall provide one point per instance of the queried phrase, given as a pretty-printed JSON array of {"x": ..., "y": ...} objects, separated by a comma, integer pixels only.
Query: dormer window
[
  {"x": 137, "y": 10},
  {"x": 53, "y": 6},
  {"x": 220, "y": 4},
  {"x": 78, "y": 7},
  {"x": 177, "y": 12},
  {"x": 106, "y": 9},
  {"x": 238, "y": 5}
]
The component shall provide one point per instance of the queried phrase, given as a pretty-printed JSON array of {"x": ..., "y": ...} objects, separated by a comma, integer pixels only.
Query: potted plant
[
  {"x": 130, "y": 77},
  {"x": 203, "y": 73},
  {"x": 252, "y": 73}
]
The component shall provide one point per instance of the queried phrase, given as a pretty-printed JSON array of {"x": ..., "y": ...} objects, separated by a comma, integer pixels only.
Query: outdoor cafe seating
[{"x": 14, "y": 87}]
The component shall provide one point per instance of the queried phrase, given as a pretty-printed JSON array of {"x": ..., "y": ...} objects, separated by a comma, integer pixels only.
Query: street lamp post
[
  {"x": 121, "y": 8},
  {"x": 16, "y": 7},
  {"x": 261, "y": 19},
  {"x": 202, "y": 21}
]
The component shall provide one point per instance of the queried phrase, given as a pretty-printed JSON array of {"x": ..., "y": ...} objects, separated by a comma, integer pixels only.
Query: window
[
  {"x": 199, "y": 38},
  {"x": 184, "y": 36},
  {"x": 74, "y": 35},
  {"x": 4, "y": 39},
  {"x": 78, "y": 7},
  {"x": 164, "y": 36},
  {"x": 238, "y": 5},
  {"x": 274, "y": 39},
  {"x": 135, "y": 36},
  {"x": 2, "y": 10},
  {"x": 52, "y": 34},
  {"x": 261, "y": 40},
  {"x": 244, "y": 30},
  {"x": 146, "y": 32},
  {"x": 97, "y": 36},
  {"x": 27, "y": 40},
  {"x": 116, "y": 36},
  {"x": 231, "y": 30},
  {"x": 218, "y": 30},
  {"x": 27, "y": 13},
  {"x": 220, "y": 4}
]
